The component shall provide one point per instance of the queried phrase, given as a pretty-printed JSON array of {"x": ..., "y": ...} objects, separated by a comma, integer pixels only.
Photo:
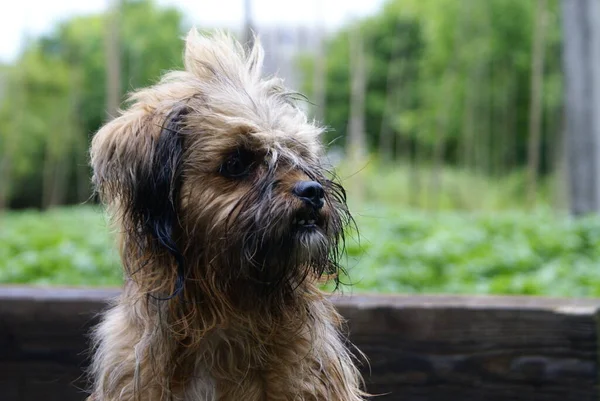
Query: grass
[
  {"x": 66, "y": 246},
  {"x": 536, "y": 253},
  {"x": 400, "y": 186},
  {"x": 401, "y": 249},
  {"x": 404, "y": 251}
]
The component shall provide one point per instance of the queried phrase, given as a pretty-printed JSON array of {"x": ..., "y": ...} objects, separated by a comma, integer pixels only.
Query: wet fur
[{"x": 221, "y": 300}]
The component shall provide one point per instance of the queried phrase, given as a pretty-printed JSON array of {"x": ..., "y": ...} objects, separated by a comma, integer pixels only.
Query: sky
[{"x": 22, "y": 18}]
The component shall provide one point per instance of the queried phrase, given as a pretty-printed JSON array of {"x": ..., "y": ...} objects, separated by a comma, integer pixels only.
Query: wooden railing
[{"x": 421, "y": 348}]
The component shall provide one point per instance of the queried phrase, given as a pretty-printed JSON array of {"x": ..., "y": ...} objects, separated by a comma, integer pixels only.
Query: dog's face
[{"x": 217, "y": 174}]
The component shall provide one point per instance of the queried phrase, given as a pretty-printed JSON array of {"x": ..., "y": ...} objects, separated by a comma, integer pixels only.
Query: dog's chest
[{"x": 201, "y": 386}]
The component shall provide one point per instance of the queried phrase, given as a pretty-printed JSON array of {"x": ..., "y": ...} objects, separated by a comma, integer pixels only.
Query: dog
[{"x": 228, "y": 223}]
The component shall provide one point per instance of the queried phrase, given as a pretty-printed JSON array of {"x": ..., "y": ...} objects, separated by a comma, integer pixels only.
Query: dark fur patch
[{"x": 153, "y": 200}]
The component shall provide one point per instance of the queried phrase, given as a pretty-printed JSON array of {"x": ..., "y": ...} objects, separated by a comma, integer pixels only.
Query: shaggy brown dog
[{"x": 228, "y": 222}]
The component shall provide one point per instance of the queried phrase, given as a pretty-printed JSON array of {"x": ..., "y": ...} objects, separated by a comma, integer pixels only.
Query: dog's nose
[{"x": 310, "y": 192}]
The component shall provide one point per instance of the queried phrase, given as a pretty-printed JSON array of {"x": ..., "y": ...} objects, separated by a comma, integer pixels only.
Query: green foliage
[
  {"x": 68, "y": 246},
  {"x": 404, "y": 186},
  {"x": 56, "y": 92},
  {"x": 538, "y": 253},
  {"x": 457, "y": 70},
  {"x": 399, "y": 250}
]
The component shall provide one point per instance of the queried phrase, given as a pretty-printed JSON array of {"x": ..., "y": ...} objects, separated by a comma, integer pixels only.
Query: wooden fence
[{"x": 421, "y": 348}]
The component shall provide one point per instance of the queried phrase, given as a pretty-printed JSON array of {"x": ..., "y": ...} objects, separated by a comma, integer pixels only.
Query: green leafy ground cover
[{"x": 402, "y": 251}]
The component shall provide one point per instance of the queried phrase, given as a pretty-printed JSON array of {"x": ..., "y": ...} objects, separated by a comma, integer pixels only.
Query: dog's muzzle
[
  {"x": 311, "y": 193},
  {"x": 308, "y": 218}
]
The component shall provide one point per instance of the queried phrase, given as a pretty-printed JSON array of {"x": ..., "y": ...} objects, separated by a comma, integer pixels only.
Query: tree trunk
[
  {"x": 467, "y": 138},
  {"x": 48, "y": 175},
  {"x": 414, "y": 175},
  {"x": 356, "y": 126},
  {"x": 559, "y": 165},
  {"x": 113, "y": 60},
  {"x": 395, "y": 78},
  {"x": 483, "y": 96},
  {"x": 11, "y": 140},
  {"x": 536, "y": 106},
  {"x": 319, "y": 78},
  {"x": 509, "y": 153},
  {"x": 444, "y": 111},
  {"x": 248, "y": 26},
  {"x": 6, "y": 172},
  {"x": 581, "y": 58},
  {"x": 61, "y": 172},
  {"x": 386, "y": 133},
  {"x": 468, "y": 127},
  {"x": 439, "y": 147},
  {"x": 80, "y": 140},
  {"x": 356, "y": 147}
]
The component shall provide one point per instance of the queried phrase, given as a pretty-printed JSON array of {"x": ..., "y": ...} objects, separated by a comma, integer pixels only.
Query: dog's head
[{"x": 215, "y": 176}]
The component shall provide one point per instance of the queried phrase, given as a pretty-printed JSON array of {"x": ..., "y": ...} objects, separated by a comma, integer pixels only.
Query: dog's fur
[{"x": 221, "y": 300}]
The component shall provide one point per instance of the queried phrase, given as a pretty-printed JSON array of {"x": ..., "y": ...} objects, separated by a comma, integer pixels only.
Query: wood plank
[
  {"x": 476, "y": 348},
  {"x": 421, "y": 348}
]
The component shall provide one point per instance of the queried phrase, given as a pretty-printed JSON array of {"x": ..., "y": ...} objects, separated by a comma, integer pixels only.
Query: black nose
[{"x": 310, "y": 192}]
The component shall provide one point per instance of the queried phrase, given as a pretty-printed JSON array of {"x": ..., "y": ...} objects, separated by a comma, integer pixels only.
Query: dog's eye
[
  {"x": 237, "y": 165},
  {"x": 233, "y": 167}
]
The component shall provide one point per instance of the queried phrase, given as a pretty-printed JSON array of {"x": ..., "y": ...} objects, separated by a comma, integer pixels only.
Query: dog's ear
[{"x": 136, "y": 161}]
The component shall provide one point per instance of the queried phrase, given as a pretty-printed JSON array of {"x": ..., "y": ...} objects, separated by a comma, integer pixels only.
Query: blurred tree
[
  {"x": 58, "y": 92},
  {"x": 9, "y": 142},
  {"x": 448, "y": 82},
  {"x": 535, "y": 107},
  {"x": 113, "y": 58},
  {"x": 461, "y": 72},
  {"x": 358, "y": 72},
  {"x": 356, "y": 144},
  {"x": 248, "y": 25},
  {"x": 581, "y": 59},
  {"x": 319, "y": 73}
]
